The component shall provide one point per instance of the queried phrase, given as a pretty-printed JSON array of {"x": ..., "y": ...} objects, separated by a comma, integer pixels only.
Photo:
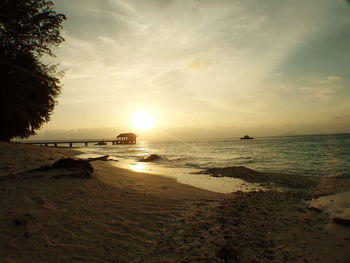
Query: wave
[{"x": 318, "y": 155}]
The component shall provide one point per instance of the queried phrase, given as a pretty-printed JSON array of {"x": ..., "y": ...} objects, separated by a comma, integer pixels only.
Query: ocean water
[{"x": 316, "y": 155}]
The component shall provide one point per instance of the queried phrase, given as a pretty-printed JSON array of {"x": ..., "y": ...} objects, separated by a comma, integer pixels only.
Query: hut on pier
[{"x": 126, "y": 138}]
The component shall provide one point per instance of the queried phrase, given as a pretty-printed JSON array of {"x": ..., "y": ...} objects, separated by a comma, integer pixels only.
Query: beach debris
[
  {"x": 72, "y": 163},
  {"x": 67, "y": 167},
  {"x": 314, "y": 208},
  {"x": 28, "y": 234},
  {"x": 150, "y": 158},
  {"x": 342, "y": 176},
  {"x": 341, "y": 221},
  {"x": 112, "y": 160},
  {"x": 228, "y": 254},
  {"x": 320, "y": 193},
  {"x": 101, "y": 158},
  {"x": 301, "y": 210},
  {"x": 11, "y": 175},
  {"x": 31, "y": 215},
  {"x": 20, "y": 222},
  {"x": 73, "y": 168}
]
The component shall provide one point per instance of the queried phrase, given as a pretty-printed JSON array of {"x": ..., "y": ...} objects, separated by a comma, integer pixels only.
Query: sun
[{"x": 143, "y": 120}]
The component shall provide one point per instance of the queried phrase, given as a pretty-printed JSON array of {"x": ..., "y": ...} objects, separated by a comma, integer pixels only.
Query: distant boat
[{"x": 246, "y": 137}]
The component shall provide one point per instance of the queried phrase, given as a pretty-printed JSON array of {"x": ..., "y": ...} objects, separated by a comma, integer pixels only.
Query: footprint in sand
[
  {"x": 41, "y": 203},
  {"x": 38, "y": 200}
]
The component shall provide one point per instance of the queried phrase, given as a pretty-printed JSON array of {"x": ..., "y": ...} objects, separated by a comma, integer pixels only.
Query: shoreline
[
  {"x": 122, "y": 216},
  {"x": 193, "y": 177}
]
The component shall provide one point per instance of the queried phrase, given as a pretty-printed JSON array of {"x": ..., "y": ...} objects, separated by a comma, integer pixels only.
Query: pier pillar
[
  {"x": 70, "y": 144},
  {"x": 86, "y": 144},
  {"x": 55, "y": 144}
]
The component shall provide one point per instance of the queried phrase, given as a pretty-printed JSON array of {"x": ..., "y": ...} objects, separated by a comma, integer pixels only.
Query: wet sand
[{"x": 122, "y": 216}]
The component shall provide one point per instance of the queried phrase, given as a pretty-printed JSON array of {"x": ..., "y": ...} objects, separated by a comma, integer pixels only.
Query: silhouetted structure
[
  {"x": 246, "y": 137},
  {"x": 123, "y": 138},
  {"x": 56, "y": 143},
  {"x": 126, "y": 138}
]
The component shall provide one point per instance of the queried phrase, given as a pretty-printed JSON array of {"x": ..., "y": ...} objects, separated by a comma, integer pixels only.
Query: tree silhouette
[{"x": 28, "y": 87}]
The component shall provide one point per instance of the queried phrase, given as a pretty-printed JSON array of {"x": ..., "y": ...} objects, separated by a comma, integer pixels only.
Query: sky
[{"x": 202, "y": 68}]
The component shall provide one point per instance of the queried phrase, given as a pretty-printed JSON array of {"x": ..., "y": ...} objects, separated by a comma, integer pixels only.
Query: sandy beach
[{"x": 122, "y": 216}]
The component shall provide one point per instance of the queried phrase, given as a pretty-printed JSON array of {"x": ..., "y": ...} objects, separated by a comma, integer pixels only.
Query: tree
[{"x": 28, "y": 87}]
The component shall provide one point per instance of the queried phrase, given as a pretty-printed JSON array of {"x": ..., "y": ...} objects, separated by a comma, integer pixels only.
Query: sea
[{"x": 309, "y": 155}]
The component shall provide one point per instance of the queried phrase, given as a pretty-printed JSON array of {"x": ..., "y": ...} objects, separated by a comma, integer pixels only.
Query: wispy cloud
[
  {"x": 196, "y": 60},
  {"x": 324, "y": 90},
  {"x": 341, "y": 118}
]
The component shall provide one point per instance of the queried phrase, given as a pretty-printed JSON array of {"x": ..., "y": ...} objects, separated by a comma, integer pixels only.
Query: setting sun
[{"x": 143, "y": 120}]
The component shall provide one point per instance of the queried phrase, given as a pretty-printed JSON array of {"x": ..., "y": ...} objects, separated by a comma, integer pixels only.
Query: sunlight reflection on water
[{"x": 138, "y": 167}]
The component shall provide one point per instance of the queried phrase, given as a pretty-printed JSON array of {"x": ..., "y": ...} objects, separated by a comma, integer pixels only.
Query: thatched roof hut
[{"x": 127, "y": 138}]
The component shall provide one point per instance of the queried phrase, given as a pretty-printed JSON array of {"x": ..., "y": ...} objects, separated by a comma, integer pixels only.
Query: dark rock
[
  {"x": 341, "y": 221},
  {"x": 151, "y": 158},
  {"x": 268, "y": 179}
]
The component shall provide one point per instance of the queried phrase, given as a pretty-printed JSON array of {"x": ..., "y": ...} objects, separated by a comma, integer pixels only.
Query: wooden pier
[
  {"x": 123, "y": 138},
  {"x": 86, "y": 142}
]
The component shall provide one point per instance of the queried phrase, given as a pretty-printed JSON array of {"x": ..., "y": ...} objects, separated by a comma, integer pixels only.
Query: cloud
[
  {"x": 324, "y": 90},
  {"x": 331, "y": 80},
  {"x": 322, "y": 93},
  {"x": 106, "y": 40},
  {"x": 325, "y": 51},
  {"x": 341, "y": 118},
  {"x": 198, "y": 62}
]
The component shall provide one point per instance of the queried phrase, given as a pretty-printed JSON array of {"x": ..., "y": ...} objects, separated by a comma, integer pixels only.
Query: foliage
[{"x": 28, "y": 29}]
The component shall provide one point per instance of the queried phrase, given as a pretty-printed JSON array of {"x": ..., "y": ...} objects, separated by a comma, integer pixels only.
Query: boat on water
[
  {"x": 246, "y": 137},
  {"x": 101, "y": 143}
]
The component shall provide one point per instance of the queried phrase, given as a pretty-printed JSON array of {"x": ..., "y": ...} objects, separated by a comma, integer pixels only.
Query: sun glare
[{"x": 143, "y": 120}]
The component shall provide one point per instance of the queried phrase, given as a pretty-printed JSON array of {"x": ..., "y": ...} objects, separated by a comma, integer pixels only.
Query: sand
[{"x": 123, "y": 216}]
